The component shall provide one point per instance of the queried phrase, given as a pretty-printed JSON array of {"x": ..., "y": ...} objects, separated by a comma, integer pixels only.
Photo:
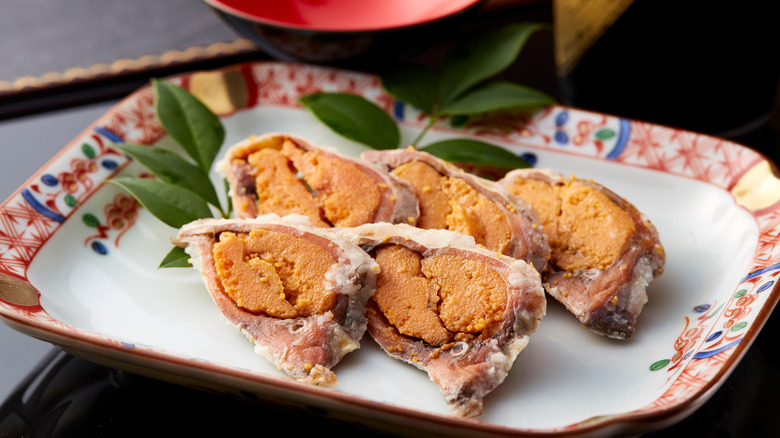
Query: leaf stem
[{"x": 432, "y": 119}]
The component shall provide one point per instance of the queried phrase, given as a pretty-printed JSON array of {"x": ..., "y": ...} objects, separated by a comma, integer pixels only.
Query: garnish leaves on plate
[
  {"x": 482, "y": 57},
  {"x": 462, "y": 88},
  {"x": 190, "y": 122},
  {"x": 182, "y": 190},
  {"x": 464, "y": 150},
  {"x": 172, "y": 168},
  {"x": 173, "y": 205},
  {"x": 495, "y": 96},
  {"x": 414, "y": 84},
  {"x": 176, "y": 258},
  {"x": 355, "y": 118}
]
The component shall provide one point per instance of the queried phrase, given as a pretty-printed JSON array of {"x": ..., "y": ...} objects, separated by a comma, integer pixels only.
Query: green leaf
[
  {"x": 170, "y": 204},
  {"x": 191, "y": 123},
  {"x": 496, "y": 96},
  {"x": 414, "y": 84},
  {"x": 463, "y": 150},
  {"x": 176, "y": 258},
  {"x": 459, "y": 121},
  {"x": 173, "y": 169},
  {"x": 483, "y": 57},
  {"x": 355, "y": 118}
]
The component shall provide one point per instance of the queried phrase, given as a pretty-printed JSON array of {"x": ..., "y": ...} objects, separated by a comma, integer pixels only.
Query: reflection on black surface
[{"x": 66, "y": 396}]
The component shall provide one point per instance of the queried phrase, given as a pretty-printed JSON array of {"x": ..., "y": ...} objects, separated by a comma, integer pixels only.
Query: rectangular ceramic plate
[{"x": 78, "y": 265}]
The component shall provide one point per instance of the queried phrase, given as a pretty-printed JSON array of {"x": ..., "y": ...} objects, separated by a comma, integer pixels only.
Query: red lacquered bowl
[{"x": 348, "y": 33}]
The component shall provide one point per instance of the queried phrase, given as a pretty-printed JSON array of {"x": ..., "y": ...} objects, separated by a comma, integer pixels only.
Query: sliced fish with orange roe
[
  {"x": 298, "y": 292},
  {"x": 453, "y": 199},
  {"x": 285, "y": 174},
  {"x": 450, "y": 307},
  {"x": 605, "y": 252}
]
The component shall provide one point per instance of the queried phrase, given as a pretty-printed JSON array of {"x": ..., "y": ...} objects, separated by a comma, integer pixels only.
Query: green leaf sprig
[
  {"x": 355, "y": 118},
  {"x": 464, "y": 87},
  {"x": 182, "y": 190}
]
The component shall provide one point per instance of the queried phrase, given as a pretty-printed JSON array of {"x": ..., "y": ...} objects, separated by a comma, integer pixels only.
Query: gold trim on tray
[
  {"x": 126, "y": 65},
  {"x": 222, "y": 91},
  {"x": 758, "y": 188},
  {"x": 17, "y": 292}
]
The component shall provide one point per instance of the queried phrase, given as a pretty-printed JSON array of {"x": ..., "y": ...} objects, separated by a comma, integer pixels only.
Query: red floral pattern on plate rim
[{"x": 24, "y": 229}]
